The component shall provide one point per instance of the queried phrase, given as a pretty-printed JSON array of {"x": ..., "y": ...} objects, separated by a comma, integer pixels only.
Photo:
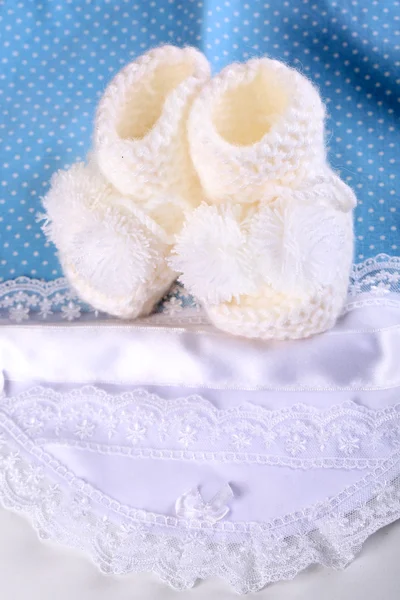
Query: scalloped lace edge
[
  {"x": 247, "y": 557},
  {"x": 141, "y": 424},
  {"x": 371, "y": 281}
]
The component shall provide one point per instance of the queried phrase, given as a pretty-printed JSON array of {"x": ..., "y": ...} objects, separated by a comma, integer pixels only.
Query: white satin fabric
[
  {"x": 303, "y": 432},
  {"x": 360, "y": 353}
]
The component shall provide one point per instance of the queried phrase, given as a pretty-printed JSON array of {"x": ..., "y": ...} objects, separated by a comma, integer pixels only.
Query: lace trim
[
  {"x": 224, "y": 457},
  {"x": 247, "y": 555},
  {"x": 141, "y": 424},
  {"x": 23, "y": 298},
  {"x": 16, "y": 437},
  {"x": 378, "y": 276}
]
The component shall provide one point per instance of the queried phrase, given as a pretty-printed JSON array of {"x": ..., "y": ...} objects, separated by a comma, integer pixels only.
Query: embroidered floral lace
[
  {"x": 122, "y": 538},
  {"x": 140, "y": 424},
  {"x": 23, "y": 298},
  {"x": 87, "y": 465}
]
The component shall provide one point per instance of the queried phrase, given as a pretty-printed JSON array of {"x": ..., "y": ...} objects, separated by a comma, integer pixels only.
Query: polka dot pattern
[{"x": 57, "y": 56}]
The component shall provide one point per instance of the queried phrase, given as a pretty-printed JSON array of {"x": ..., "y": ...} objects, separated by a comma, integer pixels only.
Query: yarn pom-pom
[
  {"x": 211, "y": 252},
  {"x": 72, "y": 193},
  {"x": 97, "y": 238},
  {"x": 297, "y": 247},
  {"x": 114, "y": 252}
]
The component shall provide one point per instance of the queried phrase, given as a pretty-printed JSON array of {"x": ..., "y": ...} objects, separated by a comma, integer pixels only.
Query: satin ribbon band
[{"x": 340, "y": 360}]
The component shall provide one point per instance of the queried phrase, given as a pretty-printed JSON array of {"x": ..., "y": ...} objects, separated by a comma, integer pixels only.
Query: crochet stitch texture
[
  {"x": 270, "y": 251},
  {"x": 113, "y": 220}
]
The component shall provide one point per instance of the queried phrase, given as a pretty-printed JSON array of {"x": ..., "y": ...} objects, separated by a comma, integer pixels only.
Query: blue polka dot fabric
[{"x": 57, "y": 57}]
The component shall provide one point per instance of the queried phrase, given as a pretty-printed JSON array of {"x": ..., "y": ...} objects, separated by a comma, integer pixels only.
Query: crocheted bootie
[
  {"x": 114, "y": 219},
  {"x": 269, "y": 254}
]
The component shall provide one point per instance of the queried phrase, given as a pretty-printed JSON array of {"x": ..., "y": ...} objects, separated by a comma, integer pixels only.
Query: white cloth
[
  {"x": 33, "y": 570},
  {"x": 306, "y": 434}
]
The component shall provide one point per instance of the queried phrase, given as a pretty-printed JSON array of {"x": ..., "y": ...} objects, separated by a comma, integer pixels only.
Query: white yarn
[
  {"x": 114, "y": 259},
  {"x": 114, "y": 220},
  {"x": 255, "y": 124},
  {"x": 272, "y": 260},
  {"x": 111, "y": 239},
  {"x": 71, "y": 197},
  {"x": 212, "y": 254},
  {"x": 269, "y": 254},
  {"x": 326, "y": 189},
  {"x": 273, "y": 316},
  {"x": 140, "y": 135},
  {"x": 297, "y": 247}
]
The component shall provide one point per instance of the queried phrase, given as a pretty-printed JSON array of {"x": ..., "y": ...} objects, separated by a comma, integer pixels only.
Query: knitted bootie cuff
[
  {"x": 140, "y": 136},
  {"x": 253, "y": 124}
]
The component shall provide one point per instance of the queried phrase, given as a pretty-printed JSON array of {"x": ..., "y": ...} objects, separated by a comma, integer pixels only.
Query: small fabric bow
[{"x": 192, "y": 506}]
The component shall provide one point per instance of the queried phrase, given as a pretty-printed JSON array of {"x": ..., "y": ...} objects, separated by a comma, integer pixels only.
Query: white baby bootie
[
  {"x": 114, "y": 220},
  {"x": 270, "y": 250}
]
